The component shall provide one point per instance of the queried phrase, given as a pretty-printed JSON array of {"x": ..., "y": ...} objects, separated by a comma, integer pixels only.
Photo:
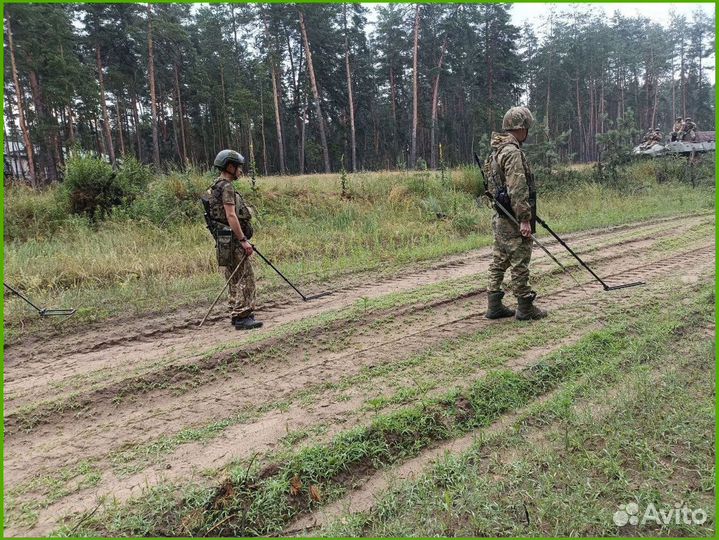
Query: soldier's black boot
[
  {"x": 526, "y": 310},
  {"x": 246, "y": 323},
  {"x": 495, "y": 308}
]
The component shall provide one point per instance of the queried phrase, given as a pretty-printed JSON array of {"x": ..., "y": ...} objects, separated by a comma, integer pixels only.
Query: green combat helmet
[
  {"x": 517, "y": 118},
  {"x": 225, "y": 157}
]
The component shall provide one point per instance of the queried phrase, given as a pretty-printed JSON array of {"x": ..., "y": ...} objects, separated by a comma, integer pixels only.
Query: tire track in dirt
[
  {"x": 463, "y": 318},
  {"x": 40, "y": 368}
]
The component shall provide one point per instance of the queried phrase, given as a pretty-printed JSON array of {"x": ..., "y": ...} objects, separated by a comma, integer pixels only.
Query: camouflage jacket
[
  {"x": 223, "y": 192},
  {"x": 508, "y": 167}
]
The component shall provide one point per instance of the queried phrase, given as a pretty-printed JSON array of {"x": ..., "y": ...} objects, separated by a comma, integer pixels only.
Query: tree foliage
[{"x": 236, "y": 75}]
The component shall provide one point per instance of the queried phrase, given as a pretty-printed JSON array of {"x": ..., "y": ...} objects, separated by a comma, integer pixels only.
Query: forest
[{"x": 302, "y": 88}]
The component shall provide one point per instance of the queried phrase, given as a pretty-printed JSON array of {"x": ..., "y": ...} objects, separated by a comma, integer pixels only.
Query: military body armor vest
[
  {"x": 217, "y": 208},
  {"x": 498, "y": 182}
]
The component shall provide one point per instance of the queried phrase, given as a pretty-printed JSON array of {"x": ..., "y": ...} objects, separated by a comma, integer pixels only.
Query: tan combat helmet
[{"x": 517, "y": 118}]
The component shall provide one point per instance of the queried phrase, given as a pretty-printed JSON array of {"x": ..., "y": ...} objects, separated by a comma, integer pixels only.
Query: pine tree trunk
[
  {"x": 654, "y": 108},
  {"x": 415, "y": 91},
  {"x": 103, "y": 106},
  {"x": 136, "y": 125},
  {"x": 435, "y": 100},
  {"x": 14, "y": 150},
  {"x": 683, "y": 81},
  {"x": 490, "y": 76},
  {"x": 674, "y": 94},
  {"x": 591, "y": 131},
  {"x": 21, "y": 109},
  {"x": 119, "y": 127},
  {"x": 47, "y": 157},
  {"x": 180, "y": 115},
  {"x": 349, "y": 93},
  {"x": 224, "y": 131},
  {"x": 582, "y": 154},
  {"x": 98, "y": 138},
  {"x": 395, "y": 124},
  {"x": 153, "y": 95},
  {"x": 296, "y": 90},
  {"x": 549, "y": 74},
  {"x": 316, "y": 92},
  {"x": 303, "y": 136},
  {"x": 262, "y": 132},
  {"x": 70, "y": 126},
  {"x": 276, "y": 98}
]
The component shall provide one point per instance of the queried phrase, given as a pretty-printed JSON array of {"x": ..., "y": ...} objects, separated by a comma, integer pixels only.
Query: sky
[
  {"x": 535, "y": 14},
  {"x": 659, "y": 12}
]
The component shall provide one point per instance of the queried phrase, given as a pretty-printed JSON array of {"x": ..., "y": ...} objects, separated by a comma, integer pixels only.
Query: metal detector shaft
[
  {"x": 21, "y": 295},
  {"x": 585, "y": 265},
  {"x": 556, "y": 236},
  {"x": 220, "y": 294},
  {"x": 279, "y": 273}
]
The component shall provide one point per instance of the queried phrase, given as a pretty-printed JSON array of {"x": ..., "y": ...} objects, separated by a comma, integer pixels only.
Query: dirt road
[{"x": 122, "y": 406}]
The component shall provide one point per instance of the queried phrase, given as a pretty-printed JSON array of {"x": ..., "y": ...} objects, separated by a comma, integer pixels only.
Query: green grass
[
  {"x": 142, "y": 260},
  {"x": 566, "y": 464},
  {"x": 250, "y": 503},
  {"x": 20, "y": 509}
]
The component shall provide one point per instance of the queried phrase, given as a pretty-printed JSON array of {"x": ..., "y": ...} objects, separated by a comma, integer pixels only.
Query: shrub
[
  {"x": 133, "y": 177},
  {"x": 93, "y": 188}
]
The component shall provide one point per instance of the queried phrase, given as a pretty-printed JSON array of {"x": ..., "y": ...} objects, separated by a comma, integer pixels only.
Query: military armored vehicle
[{"x": 704, "y": 142}]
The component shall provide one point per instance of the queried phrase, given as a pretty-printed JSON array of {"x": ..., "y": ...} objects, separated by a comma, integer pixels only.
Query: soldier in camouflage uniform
[
  {"x": 677, "y": 128},
  {"x": 508, "y": 170},
  {"x": 656, "y": 138},
  {"x": 229, "y": 209},
  {"x": 689, "y": 129}
]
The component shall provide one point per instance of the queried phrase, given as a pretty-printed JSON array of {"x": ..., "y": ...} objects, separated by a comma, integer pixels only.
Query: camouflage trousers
[
  {"x": 510, "y": 249},
  {"x": 242, "y": 285}
]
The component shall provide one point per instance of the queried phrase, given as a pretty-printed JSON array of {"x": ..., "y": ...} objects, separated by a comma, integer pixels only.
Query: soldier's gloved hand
[
  {"x": 525, "y": 229},
  {"x": 247, "y": 247}
]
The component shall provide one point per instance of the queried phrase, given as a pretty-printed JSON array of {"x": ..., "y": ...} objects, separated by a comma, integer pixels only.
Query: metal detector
[
  {"x": 600, "y": 280},
  {"x": 44, "y": 312}
]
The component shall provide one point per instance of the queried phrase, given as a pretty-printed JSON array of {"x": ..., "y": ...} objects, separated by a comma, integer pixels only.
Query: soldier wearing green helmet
[
  {"x": 228, "y": 208},
  {"x": 512, "y": 180}
]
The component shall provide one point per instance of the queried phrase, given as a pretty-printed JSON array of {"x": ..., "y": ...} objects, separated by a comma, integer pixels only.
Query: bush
[
  {"x": 133, "y": 177},
  {"x": 172, "y": 198},
  {"x": 93, "y": 188}
]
